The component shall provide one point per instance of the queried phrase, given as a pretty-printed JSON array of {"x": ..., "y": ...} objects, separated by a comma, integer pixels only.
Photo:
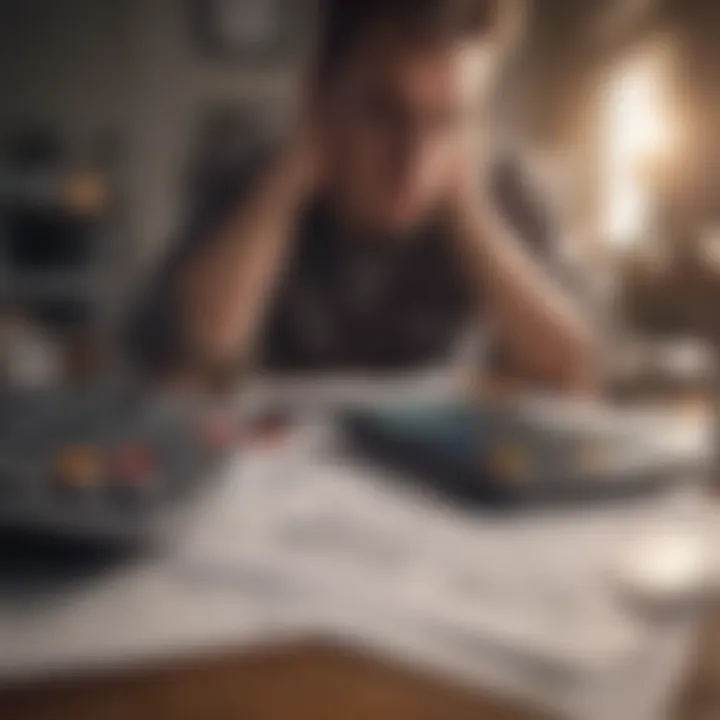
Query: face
[{"x": 395, "y": 119}]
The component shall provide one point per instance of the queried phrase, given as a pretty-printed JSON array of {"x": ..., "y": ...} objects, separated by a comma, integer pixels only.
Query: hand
[
  {"x": 300, "y": 162},
  {"x": 303, "y": 158},
  {"x": 465, "y": 186}
]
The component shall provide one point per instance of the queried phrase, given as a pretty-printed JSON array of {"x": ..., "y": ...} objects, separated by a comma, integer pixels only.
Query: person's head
[{"x": 399, "y": 85}]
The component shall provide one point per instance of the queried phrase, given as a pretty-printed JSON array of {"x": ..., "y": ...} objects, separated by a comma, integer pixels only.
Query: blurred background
[{"x": 113, "y": 113}]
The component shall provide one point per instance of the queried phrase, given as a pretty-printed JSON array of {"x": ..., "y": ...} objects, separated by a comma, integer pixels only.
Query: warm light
[{"x": 639, "y": 132}]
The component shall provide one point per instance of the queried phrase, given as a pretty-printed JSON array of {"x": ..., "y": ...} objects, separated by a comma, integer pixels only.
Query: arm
[
  {"x": 546, "y": 338},
  {"x": 224, "y": 291}
]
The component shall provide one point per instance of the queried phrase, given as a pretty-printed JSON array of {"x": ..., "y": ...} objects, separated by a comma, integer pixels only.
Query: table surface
[{"x": 307, "y": 680}]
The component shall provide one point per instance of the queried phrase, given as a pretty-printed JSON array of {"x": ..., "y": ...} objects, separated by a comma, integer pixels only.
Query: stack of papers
[{"x": 374, "y": 557}]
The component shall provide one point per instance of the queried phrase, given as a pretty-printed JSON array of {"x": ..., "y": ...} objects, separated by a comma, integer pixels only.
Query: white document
[{"x": 364, "y": 546}]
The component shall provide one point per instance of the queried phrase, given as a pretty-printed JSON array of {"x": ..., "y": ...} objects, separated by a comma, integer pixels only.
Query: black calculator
[{"x": 494, "y": 457}]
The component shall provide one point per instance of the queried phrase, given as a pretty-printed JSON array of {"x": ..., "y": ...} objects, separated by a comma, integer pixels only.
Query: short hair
[{"x": 344, "y": 22}]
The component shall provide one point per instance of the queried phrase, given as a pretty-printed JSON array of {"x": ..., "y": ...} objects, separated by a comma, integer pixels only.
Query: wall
[{"x": 129, "y": 68}]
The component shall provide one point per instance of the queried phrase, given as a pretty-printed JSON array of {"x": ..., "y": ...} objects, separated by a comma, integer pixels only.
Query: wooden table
[
  {"x": 305, "y": 682},
  {"x": 701, "y": 698},
  {"x": 308, "y": 682}
]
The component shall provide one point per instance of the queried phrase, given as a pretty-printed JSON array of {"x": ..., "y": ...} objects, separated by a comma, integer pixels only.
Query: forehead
[{"x": 420, "y": 70}]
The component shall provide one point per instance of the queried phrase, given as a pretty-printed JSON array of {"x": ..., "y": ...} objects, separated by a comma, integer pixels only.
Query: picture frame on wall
[{"x": 250, "y": 30}]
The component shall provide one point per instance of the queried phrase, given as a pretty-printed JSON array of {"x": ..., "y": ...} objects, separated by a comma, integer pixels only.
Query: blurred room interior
[{"x": 114, "y": 116}]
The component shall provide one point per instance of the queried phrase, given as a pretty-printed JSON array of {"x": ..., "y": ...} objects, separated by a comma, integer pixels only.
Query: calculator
[{"x": 501, "y": 457}]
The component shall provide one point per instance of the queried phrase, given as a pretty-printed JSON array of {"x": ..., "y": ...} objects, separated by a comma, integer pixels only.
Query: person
[{"x": 370, "y": 241}]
